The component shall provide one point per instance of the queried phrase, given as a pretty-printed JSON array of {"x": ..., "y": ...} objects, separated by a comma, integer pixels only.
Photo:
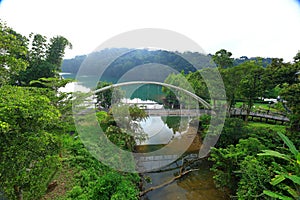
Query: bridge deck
[
  {"x": 199, "y": 112},
  {"x": 277, "y": 117},
  {"x": 157, "y": 162},
  {"x": 176, "y": 112}
]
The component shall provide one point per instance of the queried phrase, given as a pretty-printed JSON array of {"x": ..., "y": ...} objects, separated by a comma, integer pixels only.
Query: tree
[
  {"x": 29, "y": 143},
  {"x": 56, "y": 51},
  {"x": 44, "y": 58},
  {"x": 232, "y": 78},
  {"x": 121, "y": 125},
  {"x": 297, "y": 57},
  {"x": 292, "y": 95},
  {"x": 107, "y": 98},
  {"x": 251, "y": 86},
  {"x": 61, "y": 100},
  {"x": 175, "y": 97},
  {"x": 37, "y": 52},
  {"x": 171, "y": 97},
  {"x": 280, "y": 73},
  {"x": 13, "y": 51},
  {"x": 223, "y": 59},
  {"x": 198, "y": 84}
]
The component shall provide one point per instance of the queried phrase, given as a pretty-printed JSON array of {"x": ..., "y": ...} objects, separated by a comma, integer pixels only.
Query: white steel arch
[{"x": 199, "y": 99}]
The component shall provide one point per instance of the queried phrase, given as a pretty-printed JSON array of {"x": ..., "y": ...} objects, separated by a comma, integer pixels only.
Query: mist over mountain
[{"x": 179, "y": 61}]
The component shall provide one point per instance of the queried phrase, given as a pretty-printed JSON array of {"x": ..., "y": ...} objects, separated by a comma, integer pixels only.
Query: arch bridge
[
  {"x": 199, "y": 99},
  {"x": 193, "y": 112}
]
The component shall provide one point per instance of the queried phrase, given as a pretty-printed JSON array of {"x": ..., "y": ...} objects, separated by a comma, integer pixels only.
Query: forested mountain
[
  {"x": 72, "y": 65},
  {"x": 135, "y": 57}
]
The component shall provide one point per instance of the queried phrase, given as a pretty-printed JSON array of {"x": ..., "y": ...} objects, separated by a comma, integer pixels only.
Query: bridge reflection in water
[
  {"x": 172, "y": 143},
  {"x": 163, "y": 167}
]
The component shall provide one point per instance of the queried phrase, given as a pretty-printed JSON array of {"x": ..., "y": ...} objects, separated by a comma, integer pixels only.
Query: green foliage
[
  {"x": 51, "y": 83},
  {"x": 176, "y": 97},
  {"x": 234, "y": 129},
  {"x": 30, "y": 145},
  {"x": 93, "y": 180},
  {"x": 192, "y": 82},
  {"x": 249, "y": 177},
  {"x": 56, "y": 51},
  {"x": 251, "y": 86},
  {"x": 37, "y": 52},
  {"x": 227, "y": 161},
  {"x": 266, "y": 133},
  {"x": 204, "y": 122},
  {"x": 20, "y": 64},
  {"x": 288, "y": 176},
  {"x": 280, "y": 73},
  {"x": 13, "y": 54},
  {"x": 31, "y": 120},
  {"x": 44, "y": 58},
  {"x": 101, "y": 115},
  {"x": 120, "y": 138},
  {"x": 292, "y": 95},
  {"x": 108, "y": 97},
  {"x": 238, "y": 168},
  {"x": 223, "y": 59},
  {"x": 121, "y": 125},
  {"x": 115, "y": 187},
  {"x": 260, "y": 127},
  {"x": 198, "y": 84},
  {"x": 255, "y": 175},
  {"x": 233, "y": 77},
  {"x": 173, "y": 122},
  {"x": 297, "y": 57}
]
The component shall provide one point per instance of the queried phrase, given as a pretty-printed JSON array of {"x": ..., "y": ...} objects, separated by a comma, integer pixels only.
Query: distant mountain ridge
[{"x": 135, "y": 57}]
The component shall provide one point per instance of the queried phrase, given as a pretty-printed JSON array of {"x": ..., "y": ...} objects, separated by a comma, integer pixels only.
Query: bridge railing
[
  {"x": 267, "y": 115},
  {"x": 243, "y": 111},
  {"x": 178, "y": 112}
]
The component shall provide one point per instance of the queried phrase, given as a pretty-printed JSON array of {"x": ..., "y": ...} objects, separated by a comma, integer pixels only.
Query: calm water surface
[{"x": 197, "y": 185}]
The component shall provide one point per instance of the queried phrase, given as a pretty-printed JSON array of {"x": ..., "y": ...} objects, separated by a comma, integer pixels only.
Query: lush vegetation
[
  {"x": 258, "y": 166},
  {"x": 92, "y": 179},
  {"x": 29, "y": 141},
  {"x": 248, "y": 82},
  {"x": 40, "y": 146},
  {"x": 32, "y": 119},
  {"x": 255, "y": 160},
  {"x": 35, "y": 123}
]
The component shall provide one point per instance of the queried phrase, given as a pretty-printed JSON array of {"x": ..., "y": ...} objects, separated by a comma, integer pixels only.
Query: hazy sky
[{"x": 268, "y": 28}]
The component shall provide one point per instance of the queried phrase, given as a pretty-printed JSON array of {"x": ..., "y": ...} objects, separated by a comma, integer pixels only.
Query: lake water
[
  {"x": 144, "y": 92},
  {"x": 161, "y": 131},
  {"x": 196, "y": 185}
]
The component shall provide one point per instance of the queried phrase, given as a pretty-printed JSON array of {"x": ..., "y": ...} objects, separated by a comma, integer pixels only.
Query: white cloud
[{"x": 252, "y": 28}]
